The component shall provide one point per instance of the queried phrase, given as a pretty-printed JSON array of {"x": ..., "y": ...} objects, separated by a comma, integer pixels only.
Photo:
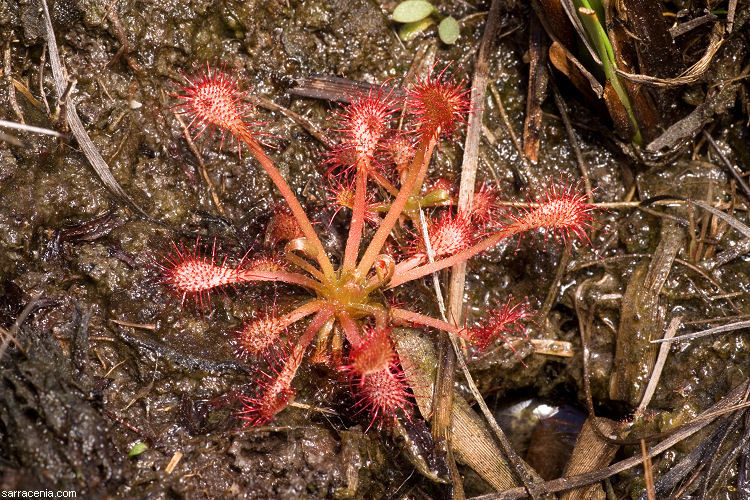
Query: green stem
[{"x": 599, "y": 38}]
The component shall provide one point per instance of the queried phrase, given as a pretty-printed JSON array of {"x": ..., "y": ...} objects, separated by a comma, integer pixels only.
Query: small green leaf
[
  {"x": 412, "y": 10},
  {"x": 137, "y": 449},
  {"x": 448, "y": 30},
  {"x": 410, "y": 30}
]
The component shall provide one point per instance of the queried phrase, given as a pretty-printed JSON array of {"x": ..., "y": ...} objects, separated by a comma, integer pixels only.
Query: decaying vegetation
[{"x": 639, "y": 343}]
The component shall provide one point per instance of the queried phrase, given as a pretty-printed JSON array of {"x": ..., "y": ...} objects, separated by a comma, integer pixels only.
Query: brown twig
[
  {"x": 648, "y": 472},
  {"x": 300, "y": 120},
  {"x": 560, "y": 103},
  {"x": 124, "y": 50},
  {"x": 8, "y": 73},
  {"x": 23, "y": 89},
  {"x": 204, "y": 171},
  {"x": 447, "y": 358},
  {"x": 508, "y": 126},
  {"x": 554, "y": 288},
  {"x": 42, "y": 93},
  {"x": 732, "y": 171},
  {"x": 733, "y": 424}
]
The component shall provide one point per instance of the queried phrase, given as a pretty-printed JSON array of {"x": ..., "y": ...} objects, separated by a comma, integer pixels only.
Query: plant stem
[
  {"x": 245, "y": 275},
  {"x": 431, "y": 267},
  {"x": 415, "y": 176},
  {"x": 294, "y": 205},
  {"x": 421, "y": 319},
  {"x": 410, "y": 263},
  {"x": 305, "y": 310},
  {"x": 358, "y": 219},
  {"x": 350, "y": 329},
  {"x": 598, "y": 37},
  {"x": 295, "y": 359},
  {"x": 384, "y": 183}
]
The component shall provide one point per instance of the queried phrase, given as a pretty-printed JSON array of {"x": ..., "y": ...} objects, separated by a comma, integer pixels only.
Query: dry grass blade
[
  {"x": 7, "y": 338},
  {"x": 472, "y": 441},
  {"x": 445, "y": 376},
  {"x": 693, "y": 73},
  {"x": 173, "y": 462},
  {"x": 690, "y": 25},
  {"x": 732, "y": 221},
  {"x": 710, "y": 481},
  {"x": 536, "y": 91},
  {"x": 590, "y": 453},
  {"x": 10, "y": 140},
  {"x": 9, "y": 78},
  {"x": 29, "y": 128},
  {"x": 682, "y": 131},
  {"x": 661, "y": 359},
  {"x": 442, "y": 400},
  {"x": 693, "y": 463},
  {"x": 335, "y": 88},
  {"x": 458, "y": 273},
  {"x": 730, "y": 15},
  {"x": 705, "y": 333},
  {"x": 88, "y": 147}
]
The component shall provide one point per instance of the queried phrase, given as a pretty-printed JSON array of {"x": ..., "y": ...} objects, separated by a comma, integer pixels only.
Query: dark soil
[{"x": 105, "y": 358}]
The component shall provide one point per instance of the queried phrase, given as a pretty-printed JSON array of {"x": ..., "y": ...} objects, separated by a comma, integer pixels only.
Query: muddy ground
[{"x": 105, "y": 358}]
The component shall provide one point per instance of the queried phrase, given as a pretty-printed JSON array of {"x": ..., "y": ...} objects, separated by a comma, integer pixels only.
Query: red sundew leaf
[
  {"x": 363, "y": 124},
  {"x": 449, "y": 234},
  {"x": 383, "y": 394},
  {"x": 258, "y": 334},
  {"x": 484, "y": 208},
  {"x": 282, "y": 227},
  {"x": 438, "y": 103},
  {"x": 257, "y": 411},
  {"x": 400, "y": 150},
  {"x": 211, "y": 99},
  {"x": 342, "y": 196},
  {"x": 273, "y": 390},
  {"x": 563, "y": 210},
  {"x": 190, "y": 273},
  {"x": 374, "y": 354},
  {"x": 499, "y": 323},
  {"x": 268, "y": 263}
]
